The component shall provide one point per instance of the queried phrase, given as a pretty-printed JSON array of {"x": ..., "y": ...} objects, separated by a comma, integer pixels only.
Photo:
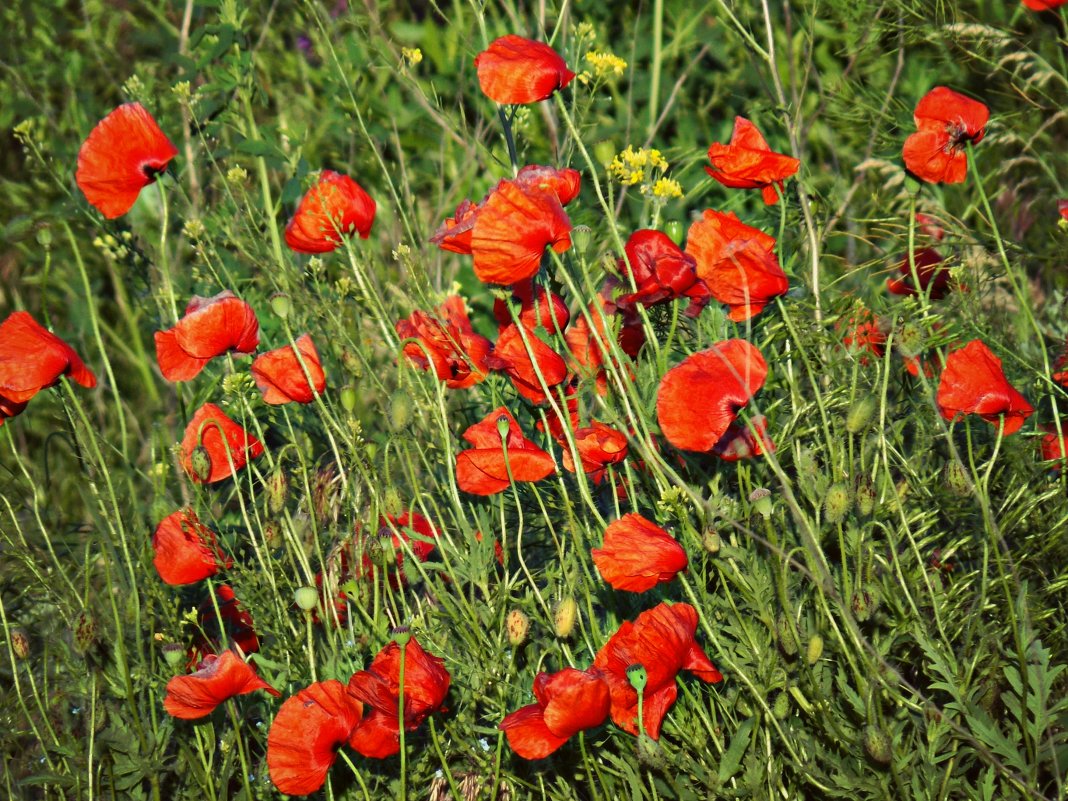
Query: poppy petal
[
  {"x": 185, "y": 549},
  {"x": 514, "y": 70},
  {"x": 281, "y": 377},
  {"x": 511, "y": 232},
  {"x": 637, "y": 554},
  {"x": 334, "y": 207},
  {"x": 218, "y": 679}
]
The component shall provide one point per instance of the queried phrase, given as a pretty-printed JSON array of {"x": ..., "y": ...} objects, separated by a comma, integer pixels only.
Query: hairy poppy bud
[
  {"x": 957, "y": 479},
  {"x": 173, "y": 654},
  {"x": 277, "y": 490},
  {"x": 348, "y": 399},
  {"x": 565, "y": 616},
  {"x": 815, "y": 649},
  {"x": 392, "y": 505},
  {"x": 20, "y": 643},
  {"x": 517, "y": 625},
  {"x": 281, "y": 305},
  {"x": 761, "y": 500},
  {"x": 910, "y": 340},
  {"x": 836, "y": 503},
  {"x": 860, "y": 414},
  {"x": 781, "y": 708},
  {"x": 85, "y": 631},
  {"x": 400, "y": 410},
  {"x": 674, "y": 230},
  {"x": 877, "y": 744},
  {"x": 352, "y": 363},
  {"x": 200, "y": 461},
  {"x": 864, "y": 492},
  {"x": 306, "y": 598},
  {"x": 711, "y": 541},
  {"x": 787, "y": 638}
]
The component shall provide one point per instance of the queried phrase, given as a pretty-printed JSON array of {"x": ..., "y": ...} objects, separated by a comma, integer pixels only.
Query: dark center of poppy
[
  {"x": 152, "y": 169},
  {"x": 958, "y": 137}
]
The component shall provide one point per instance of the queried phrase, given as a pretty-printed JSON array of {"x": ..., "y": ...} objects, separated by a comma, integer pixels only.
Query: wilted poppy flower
[
  {"x": 483, "y": 469},
  {"x": 947, "y": 121},
  {"x": 637, "y": 554},
  {"x": 598, "y": 446},
  {"x": 1044, "y": 5},
  {"x": 973, "y": 383},
  {"x": 748, "y": 163},
  {"x": 122, "y": 155},
  {"x": 32, "y": 359},
  {"x": 537, "y": 308},
  {"x": 186, "y": 550},
  {"x": 336, "y": 206},
  {"x": 934, "y": 277},
  {"x": 565, "y": 184},
  {"x": 426, "y": 683},
  {"x": 448, "y": 343},
  {"x": 511, "y": 355},
  {"x": 281, "y": 376},
  {"x": 699, "y": 398},
  {"x": 218, "y": 679},
  {"x": 567, "y": 702},
  {"x": 741, "y": 443},
  {"x": 1052, "y": 444},
  {"x": 213, "y": 436},
  {"x": 661, "y": 640},
  {"x": 737, "y": 263},
  {"x": 209, "y": 328},
  {"x": 661, "y": 273},
  {"x": 236, "y": 627},
  {"x": 306, "y": 735},
  {"x": 514, "y": 70}
]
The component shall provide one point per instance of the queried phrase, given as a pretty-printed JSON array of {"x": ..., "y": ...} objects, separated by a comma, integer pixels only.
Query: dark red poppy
[
  {"x": 637, "y": 554},
  {"x": 121, "y": 156},
  {"x": 281, "y": 376},
  {"x": 934, "y": 277},
  {"x": 218, "y": 679},
  {"x": 235, "y": 629},
  {"x": 1052, "y": 444},
  {"x": 1044, "y": 5},
  {"x": 186, "y": 550},
  {"x": 514, "y": 70},
  {"x": 947, "y": 121},
  {"x": 565, "y": 184},
  {"x": 221, "y": 441},
  {"x": 523, "y": 355},
  {"x": 32, "y": 359},
  {"x": 426, "y": 683},
  {"x": 448, "y": 343},
  {"x": 661, "y": 272},
  {"x": 737, "y": 263},
  {"x": 336, "y": 206},
  {"x": 537, "y": 308},
  {"x": 748, "y": 163},
  {"x": 661, "y": 640},
  {"x": 699, "y": 398},
  {"x": 864, "y": 333},
  {"x": 209, "y": 328},
  {"x": 483, "y": 469},
  {"x": 567, "y": 702},
  {"x": 598, "y": 446},
  {"x": 973, "y": 383},
  {"x": 740, "y": 441},
  {"x": 306, "y": 735}
]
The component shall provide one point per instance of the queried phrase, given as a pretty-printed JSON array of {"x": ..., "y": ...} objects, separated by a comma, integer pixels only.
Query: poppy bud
[
  {"x": 957, "y": 479},
  {"x": 400, "y": 411},
  {"x": 581, "y": 237},
  {"x": 200, "y": 461},
  {"x": 352, "y": 363},
  {"x": 348, "y": 399},
  {"x": 761, "y": 500},
  {"x": 860, "y": 414},
  {"x": 173, "y": 654},
  {"x": 280, "y": 305},
  {"x": 391, "y": 503},
  {"x": 815, "y": 649},
  {"x": 20, "y": 643},
  {"x": 638, "y": 677},
  {"x": 862, "y": 606},
  {"x": 604, "y": 151},
  {"x": 864, "y": 492},
  {"x": 650, "y": 752},
  {"x": 674, "y": 230},
  {"x": 711, "y": 541},
  {"x": 272, "y": 534},
  {"x": 277, "y": 489},
  {"x": 306, "y": 598},
  {"x": 85, "y": 631},
  {"x": 787, "y": 638},
  {"x": 565, "y": 617},
  {"x": 877, "y": 744},
  {"x": 401, "y": 635},
  {"x": 836, "y": 503},
  {"x": 910, "y": 340},
  {"x": 517, "y": 625},
  {"x": 781, "y": 708}
]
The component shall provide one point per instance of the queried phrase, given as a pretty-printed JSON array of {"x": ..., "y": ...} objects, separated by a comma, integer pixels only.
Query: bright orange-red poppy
[
  {"x": 514, "y": 70},
  {"x": 186, "y": 549},
  {"x": 426, "y": 683},
  {"x": 447, "y": 343},
  {"x": 637, "y": 554},
  {"x": 235, "y": 629},
  {"x": 484, "y": 469},
  {"x": 661, "y": 272},
  {"x": 1060, "y": 367},
  {"x": 933, "y": 275},
  {"x": 864, "y": 333},
  {"x": 210, "y": 327},
  {"x": 218, "y": 679},
  {"x": 739, "y": 442},
  {"x": 699, "y": 398},
  {"x": 1051, "y": 445},
  {"x": 523, "y": 355},
  {"x": 737, "y": 263},
  {"x": 32, "y": 359},
  {"x": 335, "y": 207},
  {"x": 661, "y": 640},
  {"x": 587, "y": 343},
  {"x": 121, "y": 156},
  {"x": 973, "y": 383},
  {"x": 454, "y": 235},
  {"x": 1044, "y": 5},
  {"x": 221, "y": 440},
  {"x": 1062, "y": 205},
  {"x": 306, "y": 735},
  {"x": 598, "y": 447},
  {"x": 281, "y": 376},
  {"x": 748, "y": 163},
  {"x": 565, "y": 184},
  {"x": 947, "y": 121},
  {"x": 537, "y": 308},
  {"x": 567, "y": 702}
]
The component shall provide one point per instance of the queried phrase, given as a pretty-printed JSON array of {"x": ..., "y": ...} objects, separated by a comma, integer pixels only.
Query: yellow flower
[
  {"x": 605, "y": 63},
  {"x": 413, "y": 55},
  {"x": 666, "y": 188}
]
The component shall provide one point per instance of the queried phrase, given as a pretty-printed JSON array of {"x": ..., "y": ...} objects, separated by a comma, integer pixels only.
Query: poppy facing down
[
  {"x": 209, "y": 328},
  {"x": 483, "y": 469},
  {"x": 637, "y": 554},
  {"x": 514, "y": 70},
  {"x": 947, "y": 121},
  {"x": 567, "y": 703},
  {"x": 598, "y": 446},
  {"x": 511, "y": 355},
  {"x": 336, "y": 206},
  {"x": 748, "y": 163},
  {"x": 121, "y": 156},
  {"x": 661, "y": 272},
  {"x": 699, "y": 398},
  {"x": 447, "y": 343},
  {"x": 218, "y": 679},
  {"x": 565, "y": 184},
  {"x": 973, "y": 383},
  {"x": 221, "y": 441},
  {"x": 186, "y": 550},
  {"x": 280, "y": 374}
]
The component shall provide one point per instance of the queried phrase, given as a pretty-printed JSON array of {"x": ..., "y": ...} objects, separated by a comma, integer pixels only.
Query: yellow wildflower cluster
[
  {"x": 585, "y": 30},
  {"x": 644, "y": 167},
  {"x": 664, "y": 189},
  {"x": 412, "y": 55},
  {"x": 605, "y": 63}
]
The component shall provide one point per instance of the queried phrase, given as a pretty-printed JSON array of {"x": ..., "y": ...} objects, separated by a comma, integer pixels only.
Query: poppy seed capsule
[
  {"x": 306, "y": 598},
  {"x": 400, "y": 411},
  {"x": 20, "y": 643},
  {"x": 581, "y": 237},
  {"x": 565, "y": 616},
  {"x": 761, "y": 500},
  {"x": 815, "y": 649},
  {"x": 604, "y": 151},
  {"x": 200, "y": 461},
  {"x": 877, "y": 744},
  {"x": 860, "y": 414},
  {"x": 836, "y": 503},
  {"x": 674, "y": 230},
  {"x": 637, "y": 676},
  {"x": 348, "y": 399},
  {"x": 711, "y": 541},
  {"x": 173, "y": 654},
  {"x": 401, "y": 635},
  {"x": 281, "y": 305},
  {"x": 517, "y": 625}
]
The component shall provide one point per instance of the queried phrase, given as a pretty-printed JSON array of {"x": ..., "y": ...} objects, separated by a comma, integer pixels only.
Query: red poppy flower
[
  {"x": 222, "y": 441},
  {"x": 567, "y": 702},
  {"x": 934, "y": 278},
  {"x": 538, "y": 308},
  {"x": 426, "y": 683},
  {"x": 1044, "y": 5},
  {"x": 336, "y": 206},
  {"x": 483, "y": 470},
  {"x": 186, "y": 550},
  {"x": 662, "y": 641},
  {"x": 511, "y": 355},
  {"x": 448, "y": 343},
  {"x": 947, "y": 121},
  {"x": 737, "y": 263},
  {"x": 587, "y": 344},
  {"x": 1060, "y": 366},
  {"x": 209, "y": 328},
  {"x": 281, "y": 376},
  {"x": 454, "y": 234},
  {"x": 514, "y": 70},
  {"x": 864, "y": 333},
  {"x": 699, "y": 398},
  {"x": 565, "y": 184},
  {"x": 397, "y": 529},
  {"x": 1052, "y": 445},
  {"x": 568, "y": 417},
  {"x": 32, "y": 359},
  {"x": 637, "y": 555},
  {"x": 661, "y": 272},
  {"x": 1062, "y": 205},
  {"x": 236, "y": 624},
  {"x": 598, "y": 446},
  {"x": 218, "y": 679},
  {"x": 122, "y": 155},
  {"x": 973, "y": 383},
  {"x": 748, "y": 163},
  {"x": 740, "y": 442},
  {"x": 307, "y": 733}
]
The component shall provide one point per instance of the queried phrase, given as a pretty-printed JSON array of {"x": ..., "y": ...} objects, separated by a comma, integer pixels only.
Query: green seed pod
[
  {"x": 637, "y": 676},
  {"x": 761, "y": 500},
  {"x": 815, "y": 649},
  {"x": 781, "y": 708},
  {"x": 711, "y": 541},
  {"x": 400, "y": 411},
  {"x": 604, "y": 151},
  {"x": 517, "y": 625},
  {"x": 860, "y": 414},
  {"x": 277, "y": 491},
  {"x": 674, "y": 230},
  {"x": 281, "y": 305},
  {"x": 20, "y": 643},
  {"x": 877, "y": 744},
  {"x": 787, "y": 638},
  {"x": 581, "y": 238},
  {"x": 864, "y": 493},
  {"x": 348, "y": 398},
  {"x": 836, "y": 503},
  {"x": 565, "y": 616},
  {"x": 200, "y": 461},
  {"x": 85, "y": 632},
  {"x": 306, "y": 598},
  {"x": 173, "y": 654},
  {"x": 401, "y": 635}
]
